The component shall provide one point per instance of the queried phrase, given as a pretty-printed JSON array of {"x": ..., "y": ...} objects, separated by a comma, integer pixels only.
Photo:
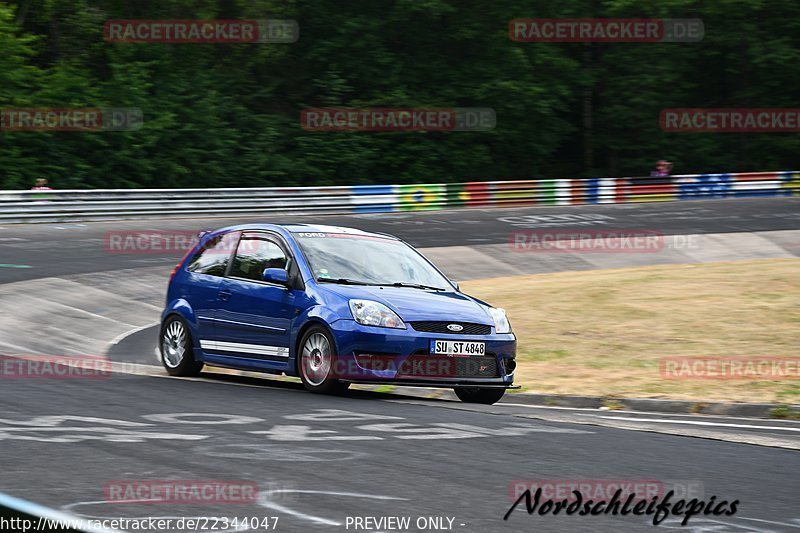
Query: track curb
[
  {"x": 696, "y": 407},
  {"x": 703, "y": 407}
]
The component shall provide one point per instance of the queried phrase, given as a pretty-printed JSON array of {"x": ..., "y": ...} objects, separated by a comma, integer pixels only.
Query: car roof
[{"x": 311, "y": 228}]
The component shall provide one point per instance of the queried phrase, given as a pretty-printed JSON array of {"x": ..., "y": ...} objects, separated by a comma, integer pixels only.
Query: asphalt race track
[{"x": 318, "y": 462}]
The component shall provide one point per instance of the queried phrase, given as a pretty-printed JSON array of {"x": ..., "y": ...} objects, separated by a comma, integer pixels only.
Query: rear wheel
[
  {"x": 478, "y": 395},
  {"x": 316, "y": 360},
  {"x": 177, "y": 354}
]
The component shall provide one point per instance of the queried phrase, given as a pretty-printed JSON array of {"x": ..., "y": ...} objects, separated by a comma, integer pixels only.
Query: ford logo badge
[{"x": 455, "y": 327}]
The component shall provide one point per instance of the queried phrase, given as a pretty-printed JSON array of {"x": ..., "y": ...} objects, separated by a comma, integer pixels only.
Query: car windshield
[{"x": 370, "y": 260}]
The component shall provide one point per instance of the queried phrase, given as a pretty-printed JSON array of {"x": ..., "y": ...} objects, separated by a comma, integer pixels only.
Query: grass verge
[{"x": 604, "y": 332}]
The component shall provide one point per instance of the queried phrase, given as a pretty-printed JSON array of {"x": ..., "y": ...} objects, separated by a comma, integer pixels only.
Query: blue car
[{"x": 333, "y": 306}]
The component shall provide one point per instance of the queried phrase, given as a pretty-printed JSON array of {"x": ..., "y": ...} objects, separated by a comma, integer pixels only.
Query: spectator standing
[
  {"x": 663, "y": 169},
  {"x": 41, "y": 185}
]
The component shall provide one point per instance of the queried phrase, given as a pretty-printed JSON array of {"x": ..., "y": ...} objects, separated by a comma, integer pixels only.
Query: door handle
[{"x": 224, "y": 295}]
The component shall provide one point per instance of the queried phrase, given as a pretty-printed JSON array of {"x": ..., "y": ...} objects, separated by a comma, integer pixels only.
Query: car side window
[
  {"x": 213, "y": 256},
  {"x": 255, "y": 253}
]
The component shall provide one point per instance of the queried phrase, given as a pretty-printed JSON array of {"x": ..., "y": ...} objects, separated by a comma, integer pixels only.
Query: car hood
[{"x": 417, "y": 304}]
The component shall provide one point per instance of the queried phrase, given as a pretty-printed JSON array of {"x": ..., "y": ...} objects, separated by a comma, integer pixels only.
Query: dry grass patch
[{"x": 603, "y": 332}]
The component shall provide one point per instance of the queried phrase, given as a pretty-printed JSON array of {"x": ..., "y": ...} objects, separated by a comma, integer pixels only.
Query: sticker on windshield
[{"x": 357, "y": 236}]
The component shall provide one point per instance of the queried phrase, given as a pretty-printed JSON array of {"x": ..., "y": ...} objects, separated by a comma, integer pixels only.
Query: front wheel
[
  {"x": 477, "y": 395},
  {"x": 317, "y": 361},
  {"x": 176, "y": 348}
]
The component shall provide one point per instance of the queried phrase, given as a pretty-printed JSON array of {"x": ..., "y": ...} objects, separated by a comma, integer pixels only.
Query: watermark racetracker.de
[
  {"x": 605, "y": 30},
  {"x": 730, "y": 368},
  {"x": 37, "y": 366},
  {"x": 386, "y": 119},
  {"x": 372, "y": 366},
  {"x": 604, "y": 240},
  {"x": 194, "y": 491},
  {"x": 144, "y": 242},
  {"x": 730, "y": 120},
  {"x": 201, "y": 31},
  {"x": 177, "y": 242},
  {"x": 97, "y": 119}
]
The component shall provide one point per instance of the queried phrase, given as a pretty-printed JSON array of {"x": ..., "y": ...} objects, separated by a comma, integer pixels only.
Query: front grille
[
  {"x": 430, "y": 326},
  {"x": 438, "y": 366}
]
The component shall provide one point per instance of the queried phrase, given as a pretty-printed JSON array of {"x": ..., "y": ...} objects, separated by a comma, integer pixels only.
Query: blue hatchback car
[{"x": 333, "y": 306}]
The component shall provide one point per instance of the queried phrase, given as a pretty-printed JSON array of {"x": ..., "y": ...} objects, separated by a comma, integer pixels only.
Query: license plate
[{"x": 457, "y": 348}]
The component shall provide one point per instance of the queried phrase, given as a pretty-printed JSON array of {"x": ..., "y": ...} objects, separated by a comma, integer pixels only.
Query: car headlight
[
  {"x": 501, "y": 324},
  {"x": 371, "y": 313}
]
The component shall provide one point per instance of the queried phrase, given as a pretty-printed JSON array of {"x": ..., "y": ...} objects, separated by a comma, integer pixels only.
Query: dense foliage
[{"x": 228, "y": 114}]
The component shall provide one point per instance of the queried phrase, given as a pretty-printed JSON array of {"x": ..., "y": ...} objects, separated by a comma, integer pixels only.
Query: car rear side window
[
  {"x": 255, "y": 253},
  {"x": 213, "y": 256}
]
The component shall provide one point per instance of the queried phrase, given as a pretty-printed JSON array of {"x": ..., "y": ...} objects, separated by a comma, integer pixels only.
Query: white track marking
[
  {"x": 180, "y": 418},
  {"x": 795, "y": 525},
  {"x": 339, "y": 415},
  {"x": 306, "y": 433},
  {"x": 708, "y": 525},
  {"x": 122, "y": 336},
  {"x": 108, "y": 502},
  {"x": 81, "y": 311},
  {"x": 700, "y": 423},
  {"x": 35, "y": 509},
  {"x": 53, "y": 429},
  {"x": 264, "y": 502},
  {"x": 18, "y": 348},
  {"x": 103, "y": 435},
  {"x": 57, "y": 420}
]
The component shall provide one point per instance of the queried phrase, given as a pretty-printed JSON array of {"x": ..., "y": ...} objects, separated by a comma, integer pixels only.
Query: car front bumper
[{"x": 368, "y": 354}]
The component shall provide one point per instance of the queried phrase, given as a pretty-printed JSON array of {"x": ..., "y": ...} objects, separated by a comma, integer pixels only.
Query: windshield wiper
[
  {"x": 348, "y": 281},
  {"x": 412, "y": 285},
  {"x": 342, "y": 281}
]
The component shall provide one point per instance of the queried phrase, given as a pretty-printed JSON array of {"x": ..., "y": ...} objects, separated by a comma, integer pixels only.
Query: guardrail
[{"x": 110, "y": 204}]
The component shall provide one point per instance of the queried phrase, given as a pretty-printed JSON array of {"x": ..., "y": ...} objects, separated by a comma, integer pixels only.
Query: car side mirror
[
  {"x": 456, "y": 285},
  {"x": 276, "y": 275}
]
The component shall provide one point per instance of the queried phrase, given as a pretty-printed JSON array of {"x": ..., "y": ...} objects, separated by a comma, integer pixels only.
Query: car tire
[
  {"x": 177, "y": 349},
  {"x": 315, "y": 362},
  {"x": 478, "y": 395}
]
